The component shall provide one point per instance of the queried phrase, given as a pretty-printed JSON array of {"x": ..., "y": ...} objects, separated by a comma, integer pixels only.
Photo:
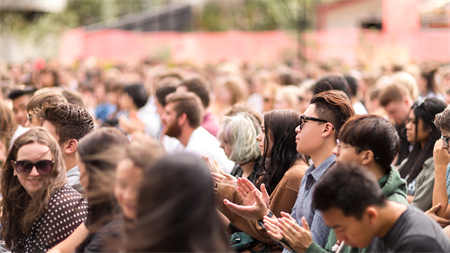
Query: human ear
[
  {"x": 367, "y": 157},
  {"x": 70, "y": 146},
  {"x": 327, "y": 130},
  {"x": 372, "y": 214},
  {"x": 182, "y": 118}
]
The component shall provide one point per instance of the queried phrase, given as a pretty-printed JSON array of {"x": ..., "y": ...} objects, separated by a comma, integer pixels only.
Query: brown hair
[
  {"x": 43, "y": 98},
  {"x": 19, "y": 210},
  {"x": 333, "y": 106},
  {"x": 144, "y": 150},
  {"x": 392, "y": 93},
  {"x": 100, "y": 151},
  {"x": 236, "y": 87},
  {"x": 7, "y": 124},
  {"x": 70, "y": 121},
  {"x": 189, "y": 104},
  {"x": 442, "y": 120}
]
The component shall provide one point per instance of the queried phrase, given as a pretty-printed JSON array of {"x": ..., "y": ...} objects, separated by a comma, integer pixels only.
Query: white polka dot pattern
[{"x": 66, "y": 210}]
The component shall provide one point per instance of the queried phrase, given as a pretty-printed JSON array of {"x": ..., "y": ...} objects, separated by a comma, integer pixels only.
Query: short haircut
[
  {"x": 18, "y": 92},
  {"x": 333, "y": 106},
  {"x": 375, "y": 133},
  {"x": 138, "y": 94},
  {"x": 162, "y": 91},
  {"x": 188, "y": 103},
  {"x": 349, "y": 188},
  {"x": 442, "y": 120},
  {"x": 392, "y": 93},
  {"x": 42, "y": 99},
  {"x": 240, "y": 133},
  {"x": 70, "y": 121},
  {"x": 73, "y": 97},
  {"x": 332, "y": 82},
  {"x": 199, "y": 87}
]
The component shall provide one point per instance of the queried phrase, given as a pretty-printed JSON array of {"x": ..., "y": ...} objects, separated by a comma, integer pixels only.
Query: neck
[
  {"x": 186, "y": 135},
  {"x": 389, "y": 214},
  {"x": 247, "y": 168},
  {"x": 376, "y": 170},
  {"x": 323, "y": 153},
  {"x": 70, "y": 161}
]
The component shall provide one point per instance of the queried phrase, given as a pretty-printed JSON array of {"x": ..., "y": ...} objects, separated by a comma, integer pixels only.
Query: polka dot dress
[{"x": 66, "y": 210}]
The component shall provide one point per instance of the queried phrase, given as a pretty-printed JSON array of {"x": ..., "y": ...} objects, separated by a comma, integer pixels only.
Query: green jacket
[{"x": 393, "y": 187}]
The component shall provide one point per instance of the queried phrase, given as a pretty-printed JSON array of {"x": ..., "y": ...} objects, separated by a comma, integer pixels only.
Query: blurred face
[
  {"x": 226, "y": 147},
  {"x": 309, "y": 132},
  {"x": 398, "y": 111},
  {"x": 422, "y": 134},
  {"x": 126, "y": 102},
  {"x": 346, "y": 153},
  {"x": 128, "y": 181},
  {"x": 304, "y": 101},
  {"x": 261, "y": 138},
  {"x": 170, "y": 121},
  {"x": 20, "y": 109},
  {"x": 353, "y": 232},
  {"x": 46, "y": 80},
  {"x": 33, "y": 181}
]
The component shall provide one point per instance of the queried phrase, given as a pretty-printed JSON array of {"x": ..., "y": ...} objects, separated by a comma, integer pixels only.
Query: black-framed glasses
[
  {"x": 303, "y": 119},
  {"x": 44, "y": 167}
]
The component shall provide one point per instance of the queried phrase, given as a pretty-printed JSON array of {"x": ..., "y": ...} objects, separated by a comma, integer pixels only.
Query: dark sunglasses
[
  {"x": 304, "y": 119},
  {"x": 44, "y": 167}
]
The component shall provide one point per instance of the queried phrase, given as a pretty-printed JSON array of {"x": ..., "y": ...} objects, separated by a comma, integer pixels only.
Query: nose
[
  {"x": 34, "y": 171},
  {"x": 258, "y": 138},
  {"x": 297, "y": 129},
  {"x": 341, "y": 237}
]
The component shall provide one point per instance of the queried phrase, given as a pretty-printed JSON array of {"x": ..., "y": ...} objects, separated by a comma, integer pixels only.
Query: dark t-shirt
[{"x": 412, "y": 232}]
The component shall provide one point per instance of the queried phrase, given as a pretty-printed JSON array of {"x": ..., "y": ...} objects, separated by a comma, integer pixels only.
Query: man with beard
[{"x": 182, "y": 117}]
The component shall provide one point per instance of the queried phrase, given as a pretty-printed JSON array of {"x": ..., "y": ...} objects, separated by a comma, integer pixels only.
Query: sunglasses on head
[{"x": 44, "y": 167}]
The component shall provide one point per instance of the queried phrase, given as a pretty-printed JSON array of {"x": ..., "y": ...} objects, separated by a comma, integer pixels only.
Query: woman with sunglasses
[
  {"x": 279, "y": 179},
  {"x": 38, "y": 208},
  {"x": 418, "y": 168}
]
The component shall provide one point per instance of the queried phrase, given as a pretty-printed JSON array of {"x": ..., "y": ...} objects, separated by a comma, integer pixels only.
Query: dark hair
[
  {"x": 332, "y": 82},
  {"x": 54, "y": 74},
  {"x": 198, "y": 87},
  {"x": 70, "y": 121},
  {"x": 442, "y": 120},
  {"x": 372, "y": 132},
  {"x": 348, "y": 188},
  {"x": 138, "y": 94},
  {"x": 175, "y": 184},
  {"x": 16, "y": 93},
  {"x": 352, "y": 83},
  {"x": 162, "y": 91},
  {"x": 425, "y": 111},
  {"x": 100, "y": 151},
  {"x": 188, "y": 103},
  {"x": 429, "y": 77},
  {"x": 333, "y": 106},
  {"x": 279, "y": 126}
]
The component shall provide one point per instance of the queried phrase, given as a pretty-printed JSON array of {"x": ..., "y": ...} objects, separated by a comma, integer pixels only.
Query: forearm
[
  {"x": 70, "y": 244},
  {"x": 440, "y": 189}
]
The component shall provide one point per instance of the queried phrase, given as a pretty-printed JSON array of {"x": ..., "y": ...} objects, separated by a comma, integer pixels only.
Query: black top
[
  {"x": 403, "y": 151},
  {"x": 412, "y": 232},
  {"x": 253, "y": 177},
  {"x": 65, "y": 212}
]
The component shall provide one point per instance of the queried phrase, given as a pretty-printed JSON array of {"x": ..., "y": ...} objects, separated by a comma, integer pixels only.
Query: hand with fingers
[
  {"x": 271, "y": 224},
  {"x": 255, "y": 203},
  {"x": 432, "y": 213},
  {"x": 221, "y": 177},
  {"x": 299, "y": 238}
]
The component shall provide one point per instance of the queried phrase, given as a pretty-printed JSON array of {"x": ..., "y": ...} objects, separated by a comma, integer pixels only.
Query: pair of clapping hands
[{"x": 255, "y": 206}]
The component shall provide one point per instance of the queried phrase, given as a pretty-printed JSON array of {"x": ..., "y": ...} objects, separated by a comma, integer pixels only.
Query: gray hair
[{"x": 240, "y": 132}]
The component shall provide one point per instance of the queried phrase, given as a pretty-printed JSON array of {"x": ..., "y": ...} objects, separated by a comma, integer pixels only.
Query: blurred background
[{"x": 365, "y": 33}]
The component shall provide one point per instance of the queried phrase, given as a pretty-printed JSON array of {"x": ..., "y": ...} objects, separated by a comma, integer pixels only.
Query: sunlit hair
[
  {"x": 41, "y": 99},
  {"x": 442, "y": 120},
  {"x": 7, "y": 124},
  {"x": 240, "y": 134},
  {"x": 100, "y": 151},
  {"x": 19, "y": 210},
  {"x": 175, "y": 184}
]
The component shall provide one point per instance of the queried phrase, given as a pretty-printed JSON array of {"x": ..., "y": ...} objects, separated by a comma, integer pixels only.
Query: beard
[{"x": 173, "y": 130}]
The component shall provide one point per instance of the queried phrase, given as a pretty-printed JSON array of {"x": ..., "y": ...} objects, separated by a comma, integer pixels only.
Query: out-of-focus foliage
[{"x": 255, "y": 15}]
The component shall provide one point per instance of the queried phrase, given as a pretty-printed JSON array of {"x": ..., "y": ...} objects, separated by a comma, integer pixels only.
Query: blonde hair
[{"x": 240, "y": 133}]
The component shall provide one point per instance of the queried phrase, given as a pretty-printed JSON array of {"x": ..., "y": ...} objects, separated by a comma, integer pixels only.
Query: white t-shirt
[{"x": 205, "y": 144}]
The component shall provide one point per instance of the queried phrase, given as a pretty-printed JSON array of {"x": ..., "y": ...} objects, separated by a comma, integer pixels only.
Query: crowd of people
[{"x": 155, "y": 157}]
